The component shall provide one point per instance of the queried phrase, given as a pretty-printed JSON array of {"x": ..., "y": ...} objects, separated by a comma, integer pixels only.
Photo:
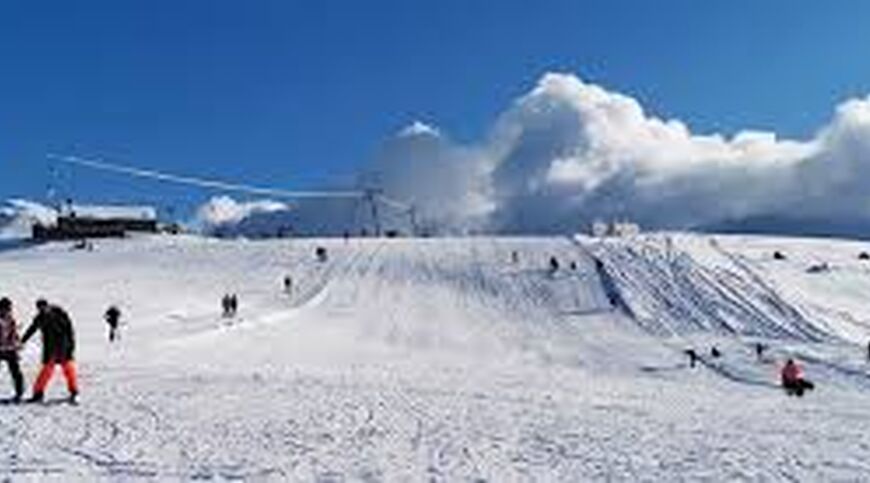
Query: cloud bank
[{"x": 569, "y": 152}]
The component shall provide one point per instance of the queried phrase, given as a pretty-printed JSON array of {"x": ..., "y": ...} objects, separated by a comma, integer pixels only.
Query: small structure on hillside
[
  {"x": 76, "y": 222},
  {"x": 602, "y": 229}
]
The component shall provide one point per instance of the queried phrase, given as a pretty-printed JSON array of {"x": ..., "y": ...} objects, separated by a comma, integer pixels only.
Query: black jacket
[{"x": 58, "y": 338}]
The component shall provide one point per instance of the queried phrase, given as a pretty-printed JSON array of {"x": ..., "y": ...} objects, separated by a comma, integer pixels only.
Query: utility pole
[
  {"x": 412, "y": 213},
  {"x": 371, "y": 197}
]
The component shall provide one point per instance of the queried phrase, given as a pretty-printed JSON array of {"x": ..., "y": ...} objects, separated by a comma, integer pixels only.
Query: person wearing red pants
[{"x": 58, "y": 347}]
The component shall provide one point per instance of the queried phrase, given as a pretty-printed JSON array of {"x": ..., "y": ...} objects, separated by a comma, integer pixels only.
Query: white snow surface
[{"x": 443, "y": 360}]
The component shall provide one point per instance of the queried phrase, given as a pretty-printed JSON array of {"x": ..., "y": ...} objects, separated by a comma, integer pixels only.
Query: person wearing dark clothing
[
  {"x": 554, "y": 265},
  {"x": 234, "y": 305},
  {"x": 9, "y": 346},
  {"x": 113, "y": 320},
  {"x": 226, "y": 305},
  {"x": 58, "y": 347},
  {"x": 288, "y": 285},
  {"x": 759, "y": 350},
  {"x": 714, "y": 352},
  {"x": 693, "y": 357}
]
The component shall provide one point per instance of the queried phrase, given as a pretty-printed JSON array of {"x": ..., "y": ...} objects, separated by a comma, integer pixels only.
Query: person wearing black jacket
[
  {"x": 113, "y": 320},
  {"x": 58, "y": 347}
]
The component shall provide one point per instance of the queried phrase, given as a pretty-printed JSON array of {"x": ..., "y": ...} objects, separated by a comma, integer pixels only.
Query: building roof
[{"x": 112, "y": 212}]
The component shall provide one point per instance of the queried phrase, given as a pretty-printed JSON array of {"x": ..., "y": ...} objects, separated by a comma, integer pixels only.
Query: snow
[
  {"x": 113, "y": 212},
  {"x": 442, "y": 360}
]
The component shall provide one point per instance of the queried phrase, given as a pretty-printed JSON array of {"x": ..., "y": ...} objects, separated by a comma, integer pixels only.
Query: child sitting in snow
[{"x": 793, "y": 380}]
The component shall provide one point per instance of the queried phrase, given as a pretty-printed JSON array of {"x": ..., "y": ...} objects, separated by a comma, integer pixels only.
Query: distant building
[
  {"x": 77, "y": 222},
  {"x": 601, "y": 229}
]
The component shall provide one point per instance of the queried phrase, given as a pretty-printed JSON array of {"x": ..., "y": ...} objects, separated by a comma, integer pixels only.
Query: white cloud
[
  {"x": 571, "y": 151},
  {"x": 223, "y": 210}
]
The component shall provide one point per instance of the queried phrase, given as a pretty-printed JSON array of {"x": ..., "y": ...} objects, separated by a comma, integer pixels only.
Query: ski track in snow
[{"x": 442, "y": 360}]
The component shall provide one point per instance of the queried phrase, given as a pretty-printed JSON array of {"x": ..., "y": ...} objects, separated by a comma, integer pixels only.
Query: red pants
[{"x": 69, "y": 373}]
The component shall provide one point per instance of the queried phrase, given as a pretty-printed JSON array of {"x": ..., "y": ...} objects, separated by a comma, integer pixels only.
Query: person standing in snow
[
  {"x": 693, "y": 357},
  {"x": 554, "y": 265},
  {"x": 759, "y": 351},
  {"x": 113, "y": 320},
  {"x": 793, "y": 380},
  {"x": 233, "y": 302},
  {"x": 9, "y": 346},
  {"x": 58, "y": 347},
  {"x": 226, "y": 305},
  {"x": 288, "y": 285}
]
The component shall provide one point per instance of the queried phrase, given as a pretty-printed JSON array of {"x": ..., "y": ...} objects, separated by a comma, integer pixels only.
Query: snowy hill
[{"x": 449, "y": 359}]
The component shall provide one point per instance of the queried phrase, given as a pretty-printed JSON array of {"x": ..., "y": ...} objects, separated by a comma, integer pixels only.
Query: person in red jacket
[
  {"x": 9, "y": 346},
  {"x": 793, "y": 380}
]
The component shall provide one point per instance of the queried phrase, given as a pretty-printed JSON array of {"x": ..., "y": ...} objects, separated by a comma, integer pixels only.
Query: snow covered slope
[{"x": 448, "y": 359}]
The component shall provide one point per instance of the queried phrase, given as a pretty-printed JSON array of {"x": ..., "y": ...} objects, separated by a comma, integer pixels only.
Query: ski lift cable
[
  {"x": 103, "y": 165},
  {"x": 393, "y": 203}
]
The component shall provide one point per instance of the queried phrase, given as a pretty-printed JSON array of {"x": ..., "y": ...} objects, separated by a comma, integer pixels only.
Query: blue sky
[{"x": 300, "y": 93}]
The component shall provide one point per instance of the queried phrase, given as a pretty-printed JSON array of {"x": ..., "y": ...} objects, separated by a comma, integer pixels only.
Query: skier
[
  {"x": 554, "y": 265},
  {"x": 868, "y": 351},
  {"x": 288, "y": 285},
  {"x": 320, "y": 253},
  {"x": 58, "y": 347},
  {"x": 233, "y": 304},
  {"x": 759, "y": 351},
  {"x": 793, "y": 380},
  {"x": 693, "y": 357},
  {"x": 113, "y": 319},
  {"x": 515, "y": 257},
  {"x": 9, "y": 345},
  {"x": 714, "y": 352},
  {"x": 225, "y": 304}
]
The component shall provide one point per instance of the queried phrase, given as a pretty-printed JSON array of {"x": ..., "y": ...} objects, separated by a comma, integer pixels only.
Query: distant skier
[
  {"x": 225, "y": 305},
  {"x": 778, "y": 255},
  {"x": 288, "y": 285},
  {"x": 693, "y": 357},
  {"x": 793, "y": 380},
  {"x": 230, "y": 305},
  {"x": 715, "y": 353},
  {"x": 554, "y": 265},
  {"x": 759, "y": 351},
  {"x": 113, "y": 320},
  {"x": 573, "y": 266},
  {"x": 320, "y": 253},
  {"x": 234, "y": 305},
  {"x": 868, "y": 351},
  {"x": 9, "y": 346},
  {"x": 515, "y": 257},
  {"x": 58, "y": 347}
]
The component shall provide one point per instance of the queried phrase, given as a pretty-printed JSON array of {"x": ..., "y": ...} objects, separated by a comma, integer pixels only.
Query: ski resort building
[{"x": 77, "y": 222}]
